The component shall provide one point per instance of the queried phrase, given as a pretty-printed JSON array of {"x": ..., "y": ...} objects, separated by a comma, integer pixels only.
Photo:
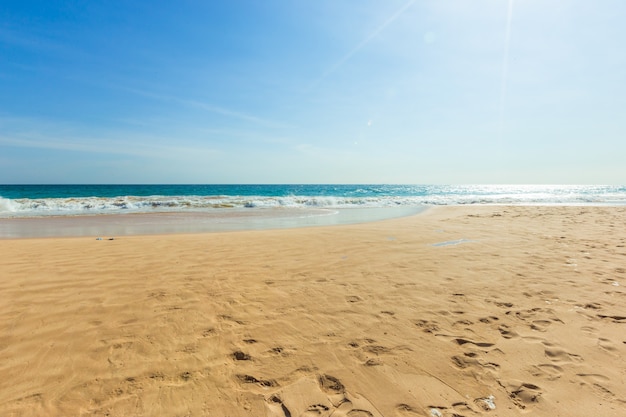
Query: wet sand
[
  {"x": 214, "y": 220},
  {"x": 459, "y": 311}
]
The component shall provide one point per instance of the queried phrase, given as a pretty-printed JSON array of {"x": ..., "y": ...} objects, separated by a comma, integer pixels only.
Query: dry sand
[{"x": 526, "y": 312}]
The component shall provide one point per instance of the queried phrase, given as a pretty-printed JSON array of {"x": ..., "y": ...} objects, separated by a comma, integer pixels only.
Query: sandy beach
[{"x": 457, "y": 311}]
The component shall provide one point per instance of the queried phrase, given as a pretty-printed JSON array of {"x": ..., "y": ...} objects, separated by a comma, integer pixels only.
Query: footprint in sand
[
  {"x": 525, "y": 395},
  {"x": 323, "y": 397},
  {"x": 540, "y": 325},
  {"x": 249, "y": 379},
  {"x": 407, "y": 410},
  {"x": 369, "y": 353},
  {"x": 276, "y": 405},
  {"x": 331, "y": 385},
  {"x": 486, "y": 403},
  {"x": 608, "y": 346},
  {"x": 462, "y": 323},
  {"x": 426, "y": 325},
  {"x": 538, "y": 318},
  {"x": 458, "y": 409},
  {"x": 488, "y": 320},
  {"x": 241, "y": 356},
  {"x": 333, "y": 388},
  {"x": 471, "y": 360},
  {"x": 546, "y": 371},
  {"x": 208, "y": 332},
  {"x": 559, "y": 356},
  {"x": 507, "y": 332},
  {"x": 501, "y": 304},
  {"x": 597, "y": 383},
  {"x": 589, "y": 330}
]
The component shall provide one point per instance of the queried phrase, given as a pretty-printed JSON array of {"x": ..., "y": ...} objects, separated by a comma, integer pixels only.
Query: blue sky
[{"x": 319, "y": 91}]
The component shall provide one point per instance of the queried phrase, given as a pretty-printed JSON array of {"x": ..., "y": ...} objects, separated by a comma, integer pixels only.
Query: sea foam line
[{"x": 21, "y": 207}]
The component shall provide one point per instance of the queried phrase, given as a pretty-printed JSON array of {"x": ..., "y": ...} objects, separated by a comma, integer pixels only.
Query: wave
[
  {"x": 25, "y": 207},
  {"x": 133, "y": 204}
]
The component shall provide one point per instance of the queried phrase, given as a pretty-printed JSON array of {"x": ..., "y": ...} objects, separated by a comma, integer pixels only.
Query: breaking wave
[{"x": 355, "y": 197}]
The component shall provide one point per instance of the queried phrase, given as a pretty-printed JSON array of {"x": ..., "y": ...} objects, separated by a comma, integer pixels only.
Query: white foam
[
  {"x": 129, "y": 204},
  {"x": 429, "y": 195},
  {"x": 7, "y": 206}
]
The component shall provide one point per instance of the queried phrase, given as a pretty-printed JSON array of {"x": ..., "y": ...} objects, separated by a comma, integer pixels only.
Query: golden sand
[{"x": 459, "y": 311}]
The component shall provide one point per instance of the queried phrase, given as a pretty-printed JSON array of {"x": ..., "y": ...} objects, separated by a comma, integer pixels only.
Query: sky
[{"x": 317, "y": 91}]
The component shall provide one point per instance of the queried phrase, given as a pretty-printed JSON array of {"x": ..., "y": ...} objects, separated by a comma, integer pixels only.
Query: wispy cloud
[
  {"x": 29, "y": 133},
  {"x": 211, "y": 108},
  {"x": 231, "y": 113},
  {"x": 364, "y": 42},
  {"x": 145, "y": 148}
]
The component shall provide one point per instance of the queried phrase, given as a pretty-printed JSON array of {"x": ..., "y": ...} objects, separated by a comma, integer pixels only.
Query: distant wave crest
[
  {"x": 153, "y": 204},
  {"x": 444, "y": 195},
  {"x": 131, "y": 204}
]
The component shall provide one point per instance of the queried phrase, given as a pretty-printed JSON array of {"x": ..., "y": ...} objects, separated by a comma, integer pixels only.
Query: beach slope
[{"x": 458, "y": 311}]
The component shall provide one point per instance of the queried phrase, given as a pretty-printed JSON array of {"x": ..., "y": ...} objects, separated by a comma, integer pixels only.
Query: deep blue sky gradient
[{"x": 321, "y": 91}]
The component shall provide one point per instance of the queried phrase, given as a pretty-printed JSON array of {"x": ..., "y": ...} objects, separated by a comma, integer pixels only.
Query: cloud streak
[
  {"x": 27, "y": 134},
  {"x": 364, "y": 42},
  {"x": 210, "y": 108}
]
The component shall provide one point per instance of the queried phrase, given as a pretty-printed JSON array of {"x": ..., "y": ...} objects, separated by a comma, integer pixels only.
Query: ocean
[
  {"x": 122, "y": 210},
  {"x": 73, "y": 200}
]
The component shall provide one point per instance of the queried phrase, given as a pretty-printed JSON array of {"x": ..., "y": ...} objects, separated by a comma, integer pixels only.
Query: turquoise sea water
[
  {"x": 72, "y": 200},
  {"x": 111, "y": 210}
]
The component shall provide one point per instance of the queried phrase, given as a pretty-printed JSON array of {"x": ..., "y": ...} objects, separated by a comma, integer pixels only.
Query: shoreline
[
  {"x": 455, "y": 310},
  {"x": 216, "y": 221},
  {"x": 137, "y": 224}
]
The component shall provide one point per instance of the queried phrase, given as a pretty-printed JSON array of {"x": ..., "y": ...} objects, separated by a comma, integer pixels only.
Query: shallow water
[{"x": 191, "y": 222}]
